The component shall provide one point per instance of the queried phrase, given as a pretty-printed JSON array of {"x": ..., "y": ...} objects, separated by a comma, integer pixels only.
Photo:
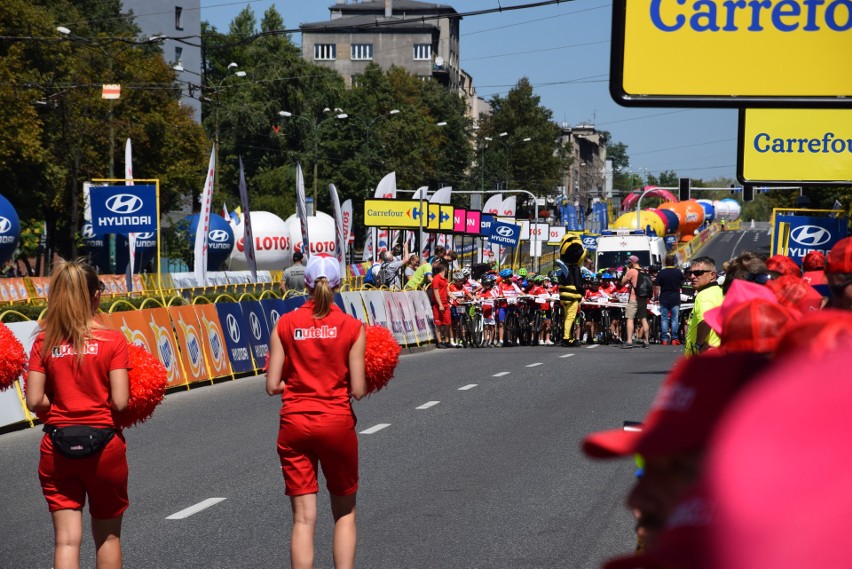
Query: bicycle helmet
[
  {"x": 466, "y": 272},
  {"x": 506, "y": 273},
  {"x": 538, "y": 279},
  {"x": 458, "y": 276},
  {"x": 489, "y": 280},
  {"x": 606, "y": 276},
  {"x": 596, "y": 281},
  {"x": 522, "y": 272}
]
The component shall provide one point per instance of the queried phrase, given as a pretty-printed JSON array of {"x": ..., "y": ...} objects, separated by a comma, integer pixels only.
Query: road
[
  {"x": 728, "y": 244},
  {"x": 469, "y": 459}
]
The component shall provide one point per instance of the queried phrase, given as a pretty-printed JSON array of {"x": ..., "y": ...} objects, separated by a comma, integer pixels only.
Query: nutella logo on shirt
[
  {"x": 321, "y": 333},
  {"x": 90, "y": 349}
]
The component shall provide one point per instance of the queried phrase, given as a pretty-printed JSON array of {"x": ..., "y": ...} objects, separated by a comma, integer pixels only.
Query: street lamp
[{"x": 315, "y": 126}]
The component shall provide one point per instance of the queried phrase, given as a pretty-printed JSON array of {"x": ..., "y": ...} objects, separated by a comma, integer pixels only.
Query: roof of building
[
  {"x": 397, "y": 6},
  {"x": 369, "y": 23}
]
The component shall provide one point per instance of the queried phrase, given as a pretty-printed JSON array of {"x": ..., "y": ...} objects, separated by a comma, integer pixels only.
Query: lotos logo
[
  {"x": 218, "y": 236},
  {"x": 504, "y": 231},
  {"x": 5, "y": 225},
  {"x": 233, "y": 328},
  {"x": 123, "y": 204},
  {"x": 810, "y": 235}
]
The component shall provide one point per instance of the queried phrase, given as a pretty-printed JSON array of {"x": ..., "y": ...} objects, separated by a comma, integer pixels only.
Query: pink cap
[{"x": 322, "y": 266}]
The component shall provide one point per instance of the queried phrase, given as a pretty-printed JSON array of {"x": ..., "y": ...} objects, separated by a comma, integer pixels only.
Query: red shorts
[
  {"x": 441, "y": 317},
  {"x": 307, "y": 438},
  {"x": 65, "y": 482}
]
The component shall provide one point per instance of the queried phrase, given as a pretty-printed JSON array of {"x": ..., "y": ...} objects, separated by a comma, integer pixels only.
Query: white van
[{"x": 615, "y": 246}]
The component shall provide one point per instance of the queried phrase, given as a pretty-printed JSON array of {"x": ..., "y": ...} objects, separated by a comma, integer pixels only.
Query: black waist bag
[{"x": 79, "y": 441}]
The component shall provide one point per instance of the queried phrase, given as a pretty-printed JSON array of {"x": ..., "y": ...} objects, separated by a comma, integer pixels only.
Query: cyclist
[
  {"x": 507, "y": 290},
  {"x": 611, "y": 289},
  {"x": 594, "y": 294},
  {"x": 457, "y": 293},
  {"x": 470, "y": 284},
  {"x": 488, "y": 294},
  {"x": 543, "y": 300}
]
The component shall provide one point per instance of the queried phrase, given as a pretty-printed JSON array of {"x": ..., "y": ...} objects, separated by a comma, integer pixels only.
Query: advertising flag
[
  {"x": 248, "y": 238},
  {"x": 492, "y": 205},
  {"x": 302, "y": 210},
  {"x": 204, "y": 223},
  {"x": 387, "y": 187},
  {"x": 131, "y": 237},
  {"x": 338, "y": 229},
  {"x": 346, "y": 208},
  {"x": 509, "y": 207}
]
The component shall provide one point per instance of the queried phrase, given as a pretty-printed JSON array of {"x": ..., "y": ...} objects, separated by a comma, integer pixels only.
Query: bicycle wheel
[
  {"x": 524, "y": 326},
  {"x": 464, "y": 329},
  {"x": 537, "y": 322},
  {"x": 606, "y": 333},
  {"x": 579, "y": 326},
  {"x": 511, "y": 329},
  {"x": 557, "y": 323},
  {"x": 476, "y": 329}
]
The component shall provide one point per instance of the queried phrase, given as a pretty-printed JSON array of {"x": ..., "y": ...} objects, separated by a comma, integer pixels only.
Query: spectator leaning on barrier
[
  {"x": 293, "y": 277},
  {"x": 699, "y": 335},
  {"x": 838, "y": 274},
  {"x": 410, "y": 266},
  {"x": 421, "y": 277},
  {"x": 669, "y": 281},
  {"x": 316, "y": 364},
  {"x": 390, "y": 269}
]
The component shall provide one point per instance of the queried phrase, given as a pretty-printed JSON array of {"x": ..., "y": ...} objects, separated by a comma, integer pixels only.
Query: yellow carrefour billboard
[
  {"x": 722, "y": 53},
  {"x": 392, "y": 213},
  {"x": 795, "y": 145}
]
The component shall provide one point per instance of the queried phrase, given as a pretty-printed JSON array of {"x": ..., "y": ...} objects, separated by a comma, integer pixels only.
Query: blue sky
[{"x": 564, "y": 50}]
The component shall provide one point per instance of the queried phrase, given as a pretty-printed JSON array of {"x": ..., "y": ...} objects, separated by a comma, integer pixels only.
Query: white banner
[{"x": 200, "y": 268}]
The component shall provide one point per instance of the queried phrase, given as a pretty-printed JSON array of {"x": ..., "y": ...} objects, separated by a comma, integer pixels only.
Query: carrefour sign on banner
[
  {"x": 507, "y": 234},
  {"x": 393, "y": 213},
  {"x": 123, "y": 209},
  {"x": 809, "y": 234},
  {"x": 780, "y": 53},
  {"x": 786, "y": 145}
]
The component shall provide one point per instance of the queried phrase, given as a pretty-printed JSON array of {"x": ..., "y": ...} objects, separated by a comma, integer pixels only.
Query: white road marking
[
  {"x": 468, "y": 386},
  {"x": 203, "y": 505},
  {"x": 535, "y": 364},
  {"x": 375, "y": 429},
  {"x": 566, "y": 356},
  {"x": 428, "y": 404},
  {"x": 501, "y": 374},
  {"x": 592, "y": 347}
]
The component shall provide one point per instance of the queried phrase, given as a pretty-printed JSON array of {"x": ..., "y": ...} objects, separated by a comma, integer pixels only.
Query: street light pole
[
  {"x": 315, "y": 126},
  {"x": 216, "y": 91}
]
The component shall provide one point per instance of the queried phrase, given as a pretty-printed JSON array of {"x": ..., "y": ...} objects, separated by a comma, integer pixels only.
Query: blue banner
[
  {"x": 10, "y": 229},
  {"x": 258, "y": 336},
  {"x": 506, "y": 234},
  {"x": 485, "y": 223},
  {"x": 569, "y": 217},
  {"x": 123, "y": 209},
  {"x": 810, "y": 234},
  {"x": 236, "y": 336},
  {"x": 590, "y": 242},
  {"x": 670, "y": 241},
  {"x": 273, "y": 308}
]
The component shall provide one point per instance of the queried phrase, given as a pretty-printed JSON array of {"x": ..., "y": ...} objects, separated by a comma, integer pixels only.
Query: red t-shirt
[
  {"x": 316, "y": 362},
  {"x": 79, "y": 390},
  {"x": 441, "y": 288}
]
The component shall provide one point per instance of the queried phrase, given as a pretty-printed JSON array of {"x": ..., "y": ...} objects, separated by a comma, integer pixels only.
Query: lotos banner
[{"x": 188, "y": 331}]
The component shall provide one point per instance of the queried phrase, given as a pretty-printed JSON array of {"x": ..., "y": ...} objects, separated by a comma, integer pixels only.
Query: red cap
[
  {"x": 818, "y": 333},
  {"x": 783, "y": 265},
  {"x": 839, "y": 259},
  {"x": 813, "y": 261},
  {"x": 779, "y": 468},
  {"x": 741, "y": 292},
  {"x": 685, "y": 410},
  {"x": 796, "y": 294},
  {"x": 755, "y": 327}
]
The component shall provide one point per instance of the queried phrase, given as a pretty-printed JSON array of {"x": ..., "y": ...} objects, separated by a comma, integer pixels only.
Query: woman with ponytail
[
  {"x": 78, "y": 376},
  {"x": 316, "y": 363}
]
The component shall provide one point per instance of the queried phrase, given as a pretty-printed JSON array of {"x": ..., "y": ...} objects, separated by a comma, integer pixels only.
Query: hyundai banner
[
  {"x": 119, "y": 209},
  {"x": 506, "y": 234},
  {"x": 236, "y": 336},
  {"x": 258, "y": 330},
  {"x": 809, "y": 234}
]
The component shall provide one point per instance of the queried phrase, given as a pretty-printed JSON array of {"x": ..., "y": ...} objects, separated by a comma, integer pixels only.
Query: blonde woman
[
  {"x": 78, "y": 376},
  {"x": 316, "y": 364}
]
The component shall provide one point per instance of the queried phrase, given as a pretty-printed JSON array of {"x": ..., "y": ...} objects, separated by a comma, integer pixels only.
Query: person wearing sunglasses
[
  {"x": 838, "y": 274},
  {"x": 700, "y": 337}
]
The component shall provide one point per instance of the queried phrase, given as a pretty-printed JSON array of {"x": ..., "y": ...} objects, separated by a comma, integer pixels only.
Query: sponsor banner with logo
[
  {"x": 132, "y": 324},
  {"x": 13, "y": 290},
  {"x": 12, "y": 408},
  {"x": 486, "y": 222},
  {"x": 165, "y": 346},
  {"x": 258, "y": 331},
  {"x": 273, "y": 308},
  {"x": 412, "y": 333},
  {"x": 506, "y": 234},
  {"x": 795, "y": 145},
  {"x": 808, "y": 234},
  {"x": 727, "y": 54},
  {"x": 120, "y": 209},
  {"x": 590, "y": 242},
  {"x": 395, "y": 318},
  {"x": 555, "y": 235},
  {"x": 395, "y": 214},
  {"x": 41, "y": 286},
  {"x": 213, "y": 340},
  {"x": 236, "y": 332},
  {"x": 374, "y": 307},
  {"x": 422, "y": 315},
  {"x": 353, "y": 305},
  {"x": 190, "y": 340}
]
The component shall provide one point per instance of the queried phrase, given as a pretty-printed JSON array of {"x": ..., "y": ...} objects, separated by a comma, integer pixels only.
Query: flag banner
[
  {"x": 492, "y": 205},
  {"x": 509, "y": 207},
  {"x": 346, "y": 210},
  {"x": 248, "y": 237},
  {"x": 338, "y": 229},
  {"x": 387, "y": 187},
  {"x": 131, "y": 237},
  {"x": 200, "y": 268},
  {"x": 302, "y": 210}
]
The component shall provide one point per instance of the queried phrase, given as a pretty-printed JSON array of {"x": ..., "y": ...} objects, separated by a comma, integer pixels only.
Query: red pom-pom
[
  {"x": 380, "y": 357},
  {"x": 148, "y": 380},
  {"x": 13, "y": 358}
]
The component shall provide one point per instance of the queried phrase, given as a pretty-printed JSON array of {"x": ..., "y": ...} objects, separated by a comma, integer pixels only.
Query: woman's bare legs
[
  {"x": 67, "y": 537},
  {"x": 107, "y": 535},
  {"x": 304, "y": 523},
  {"x": 345, "y": 531}
]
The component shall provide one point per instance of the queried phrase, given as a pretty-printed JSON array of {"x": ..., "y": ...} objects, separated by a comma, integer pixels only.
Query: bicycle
[
  {"x": 557, "y": 322},
  {"x": 511, "y": 326},
  {"x": 470, "y": 324}
]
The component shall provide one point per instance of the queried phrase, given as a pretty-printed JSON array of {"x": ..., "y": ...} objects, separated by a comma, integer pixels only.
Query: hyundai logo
[
  {"x": 810, "y": 235},
  {"x": 505, "y": 231},
  {"x": 254, "y": 322},
  {"x": 274, "y": 316},
  {"x": 144, "y": 236},
  {"x": 88, "y": 232},
  {"x": 5, "y": 225},
  {"x": 124, "y": 204},
  {"x": 218, "y": 235},
  {"x": 233, "y": 328}
]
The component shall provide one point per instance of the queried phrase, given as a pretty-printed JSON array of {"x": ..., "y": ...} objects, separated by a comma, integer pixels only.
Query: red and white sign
[{"x": 111, "y": 92}]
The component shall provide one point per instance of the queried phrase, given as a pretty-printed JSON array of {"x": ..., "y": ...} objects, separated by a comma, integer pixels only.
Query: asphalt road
[
  {"x": 729, "y": 244},
  {"x": 478, "y": 467}
]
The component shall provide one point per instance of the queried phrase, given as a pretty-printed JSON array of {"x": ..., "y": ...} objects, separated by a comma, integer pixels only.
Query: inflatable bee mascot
[{"x": 571, "y": 255}]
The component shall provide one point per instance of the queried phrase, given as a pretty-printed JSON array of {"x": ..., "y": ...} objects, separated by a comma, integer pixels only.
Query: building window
[
  {"x": 362, "y": 52},
  {"x": 178, "y": 18},
  {"x": 325, "y": 51},
  {"x": 355, "y": 82},
  {"x": 422, "y": 52},
  {"x": 178, "y": 56}
]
